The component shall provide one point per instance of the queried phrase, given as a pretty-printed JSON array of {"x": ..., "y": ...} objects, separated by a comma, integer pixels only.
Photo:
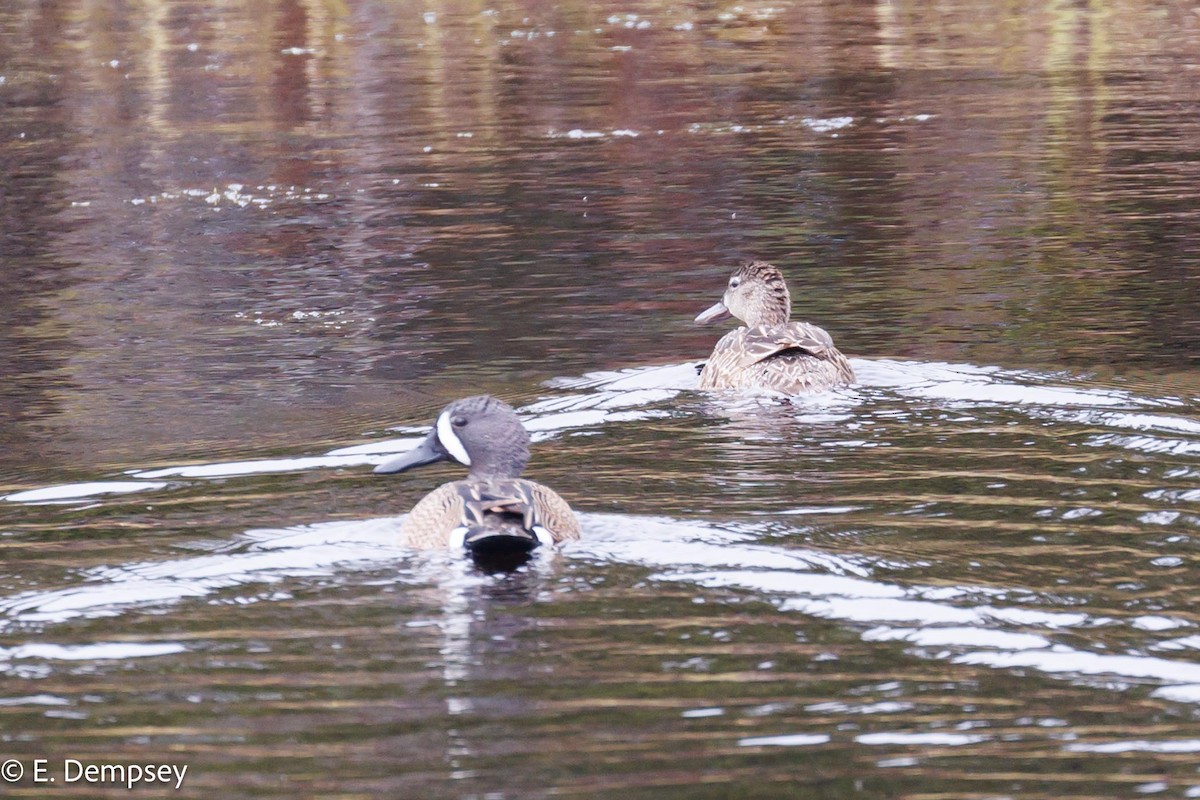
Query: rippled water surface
[{"x": 248, "y": 250}]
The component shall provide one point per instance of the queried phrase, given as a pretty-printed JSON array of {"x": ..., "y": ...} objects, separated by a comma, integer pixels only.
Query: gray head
[
  {"x": 756, "y": 294},
  {"x": 481, "y": 432}
]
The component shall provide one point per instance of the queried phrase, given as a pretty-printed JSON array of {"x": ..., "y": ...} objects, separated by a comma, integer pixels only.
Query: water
[{"x": 248, "y": 252}]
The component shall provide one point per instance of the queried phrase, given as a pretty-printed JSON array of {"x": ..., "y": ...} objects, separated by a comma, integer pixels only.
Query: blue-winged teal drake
[
  {"x": 772, "y": 352},
  {"x": 493, "y": 508}
]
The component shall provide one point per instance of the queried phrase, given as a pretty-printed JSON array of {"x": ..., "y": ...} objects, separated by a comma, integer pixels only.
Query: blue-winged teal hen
[
  {"x": 772, "y": 352},
  {"x": 494, "y": 508}
]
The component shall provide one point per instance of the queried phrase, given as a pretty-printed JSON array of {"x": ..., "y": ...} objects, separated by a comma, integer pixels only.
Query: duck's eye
[
  {"x": 458, "y": 422},
  {"x": 734, "y": 282}
]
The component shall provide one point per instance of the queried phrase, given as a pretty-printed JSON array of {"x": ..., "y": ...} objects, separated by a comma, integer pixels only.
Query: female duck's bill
[
  {"x": 493, "y": 512},
  {"x": 714, "y": 314}
]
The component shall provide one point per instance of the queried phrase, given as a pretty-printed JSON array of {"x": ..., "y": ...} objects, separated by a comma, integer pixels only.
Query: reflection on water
[{"x": 238, "y": 242}]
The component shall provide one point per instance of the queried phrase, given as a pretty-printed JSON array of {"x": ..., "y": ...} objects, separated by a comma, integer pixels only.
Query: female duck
[
  {"x": 772, "y": 352},
  {"x": 493, "y": 509}
]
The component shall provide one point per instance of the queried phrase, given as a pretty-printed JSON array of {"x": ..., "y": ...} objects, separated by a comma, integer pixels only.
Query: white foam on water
[
  {"x": 99, "y": 651},
  {"x": 1136, "y": 746},
  {"x": 922, "y": 739},
  {"x": 266, "y": 557},
  {"x": 81, "y": 491},
  {"x": 785, "y": 740}
]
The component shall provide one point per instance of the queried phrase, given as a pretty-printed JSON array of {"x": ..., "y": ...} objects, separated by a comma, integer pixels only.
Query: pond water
[{"x": 250, "y": 249}]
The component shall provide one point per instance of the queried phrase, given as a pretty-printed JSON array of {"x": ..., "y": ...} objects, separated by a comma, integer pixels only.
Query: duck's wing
[
  {"x": 796, "y": 358},
  {"x": 736, "y": 358},
  {"x": 519, "y": 506},
  {"x": 761, "y": 343}
]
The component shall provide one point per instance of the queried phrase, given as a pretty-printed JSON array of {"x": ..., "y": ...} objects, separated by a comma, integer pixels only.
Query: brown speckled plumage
[
  {"x": 432, "y": 520},
  {"x": 773, "y": 352},
  {"x": 486, "y": 435}
]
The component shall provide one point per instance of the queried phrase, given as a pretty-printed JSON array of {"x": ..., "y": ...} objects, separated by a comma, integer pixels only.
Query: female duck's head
[{"x": 756, "y": 294}]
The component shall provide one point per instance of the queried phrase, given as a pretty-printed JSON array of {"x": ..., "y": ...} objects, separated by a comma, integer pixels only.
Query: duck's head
[
  {"x": 756, "y": 294},
  {"x": 481, "y": 433}
]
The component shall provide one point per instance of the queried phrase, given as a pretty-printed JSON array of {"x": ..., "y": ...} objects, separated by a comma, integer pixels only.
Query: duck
[
  {"x": 772, "y": 351},
  {"x": 493, "y": 509}
]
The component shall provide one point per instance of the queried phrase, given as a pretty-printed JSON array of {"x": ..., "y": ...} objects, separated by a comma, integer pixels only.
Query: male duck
[
  {"x": 494, "y": 509},
  {"x": 773, "y": 352}
]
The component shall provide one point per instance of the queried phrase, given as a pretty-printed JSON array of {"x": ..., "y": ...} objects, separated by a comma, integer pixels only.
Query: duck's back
[
  {"x": 794, "y": 358},
  {"x": 519, "y": 504}
]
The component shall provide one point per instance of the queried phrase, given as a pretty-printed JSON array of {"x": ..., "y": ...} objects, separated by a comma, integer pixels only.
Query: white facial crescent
[{"x": 450, "y": 440}]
